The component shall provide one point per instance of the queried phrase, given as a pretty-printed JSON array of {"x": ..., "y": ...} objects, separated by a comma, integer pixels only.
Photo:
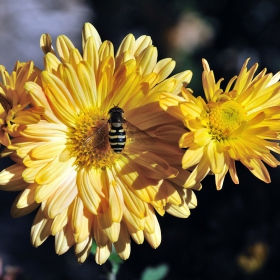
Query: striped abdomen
[{"x": 117, "y": 138}]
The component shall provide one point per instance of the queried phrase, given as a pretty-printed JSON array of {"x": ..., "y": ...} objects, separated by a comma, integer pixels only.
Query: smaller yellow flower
[
  {"x": 16, "y": 110},
  {"x": 237, "y": 124}
]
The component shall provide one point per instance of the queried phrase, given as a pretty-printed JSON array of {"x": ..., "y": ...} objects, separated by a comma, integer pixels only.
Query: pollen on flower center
[
  {"x": 88, "y": 141},
  {"x": 224, "y": 118}
]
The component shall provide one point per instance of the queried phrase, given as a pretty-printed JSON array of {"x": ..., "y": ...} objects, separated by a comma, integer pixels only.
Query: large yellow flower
[
  {"x": 237, "y": 124},
  {"x": 86, "y": 190},
  {"x": 16, "y": 110}
]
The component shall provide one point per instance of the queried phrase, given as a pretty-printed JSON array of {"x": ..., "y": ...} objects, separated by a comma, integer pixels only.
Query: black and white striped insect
[
  {"x": 116, "y": 128},
  {"x": 117, "y": 135}
]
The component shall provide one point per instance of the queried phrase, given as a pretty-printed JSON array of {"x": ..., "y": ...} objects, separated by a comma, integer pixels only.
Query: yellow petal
[
  {"x": 11, "y": 178},
  {"x": 60, "y": 98},
  {"x": 189, "y": 108},
  {"x": 154, "y": 238},
  {"x": 192, "y": 156},
  {"x": 64, "y": 240},
  {"x": 40, "y": 99},
  {"x": 34, "y": 132},
  {"x": 77, "y": 215},
  {"x": 137, "y": 236},
  {"x": 200, "y": 171},
  {"x": 133, "y": 223},
  {"x": 75, "y": 57},
  {"x": 25, "y": 117},
  {"x": 29, "y": 174},
  {"x": 83, "y": 249},
  {"x": 48, "y": 150},
  {"x": 146, "y": 60},
  {"x": 46, "y": 43},
  {"x": 128, "y": 44},
  {"x": 202, "y": 137},
  {"x": 40, "y": 229},
  {"x": 43, "y": 192},
  {"x": 144, "y": 188},
  {"x": 116, "y": 202},
  {"x": 219, "y": 178},
  {"x": 132, "y": 202},
  {"x": 126, "y": 89},
  {"x": 63, "y": 196},
  {"x": 186, "y": 140},
  {"x": 150, "y": 221},
  {"x": 170, "y": 193},
  {"x": 106, "y": 50},
  {"x": 85, "y": 230},
  {"x": 122, "y": 246},
  {"x": 64, "y": 46},
  {"x": 89, "y": 31},
  {"x": 52, "y": 62},
  {"x": 70, "y": 80},
  {"x": 27, "y": 196},
  {"x": 88, "y": 189},
  {"x": 53, "y": 170},
  {"x": 141, "y": 44},
  {"x": 110, "y": 228},
  {"x": 216, "y": 159},
  {"x": 170, "y": 133},
  {"x": 86, "y": 77},
  {"x": 103, "y": 253},
  {"x": 191, "y": 199},
  {"x": 60, "y": 221},
  {"x": 164, "y": 67},
  {"x": 91, "y": 54},
  {"x": 153, "y": 166},
  {"x": 104, "y": 80},
  {"x": 259, "y": 170},
  {"x": 179, "y": 211},
  {"x": 100, "y": 237},
  {"x": 24, "y": 203}
]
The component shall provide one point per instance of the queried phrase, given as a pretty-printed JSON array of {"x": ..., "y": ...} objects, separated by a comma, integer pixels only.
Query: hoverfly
[{"x": 116, "y": 132}]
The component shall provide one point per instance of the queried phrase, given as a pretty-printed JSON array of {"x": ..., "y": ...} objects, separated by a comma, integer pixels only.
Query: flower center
[
  {"x": 88, "y": 141},
  {"x": 224, "y": 118}
]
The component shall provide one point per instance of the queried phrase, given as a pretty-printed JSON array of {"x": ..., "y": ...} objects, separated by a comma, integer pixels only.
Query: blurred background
[{"x": 233, "y": 233}]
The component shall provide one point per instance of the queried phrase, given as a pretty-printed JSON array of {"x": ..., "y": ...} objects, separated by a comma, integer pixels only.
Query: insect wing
[
  {"x": 98, "y": 136},
  {"x": 138, "y": 135}
]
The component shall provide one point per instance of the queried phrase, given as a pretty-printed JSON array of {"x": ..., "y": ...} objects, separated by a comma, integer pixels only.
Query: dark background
[{"x": 226, "y": 223}]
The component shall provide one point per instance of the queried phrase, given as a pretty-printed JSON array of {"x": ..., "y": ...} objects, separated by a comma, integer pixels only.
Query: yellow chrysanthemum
[
  {"x": 15, "y": 109},
  {"x": 237, "y": 124},
  {"x": 88, "y": 191}
]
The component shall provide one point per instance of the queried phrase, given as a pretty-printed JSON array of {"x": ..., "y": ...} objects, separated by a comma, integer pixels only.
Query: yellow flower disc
[
  {"x": 88, "y": 141},
  {"x": 224, "y": 118}
]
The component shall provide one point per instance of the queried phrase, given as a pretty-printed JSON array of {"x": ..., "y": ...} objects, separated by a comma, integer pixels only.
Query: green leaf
[{"x": 155, "y": 273}]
